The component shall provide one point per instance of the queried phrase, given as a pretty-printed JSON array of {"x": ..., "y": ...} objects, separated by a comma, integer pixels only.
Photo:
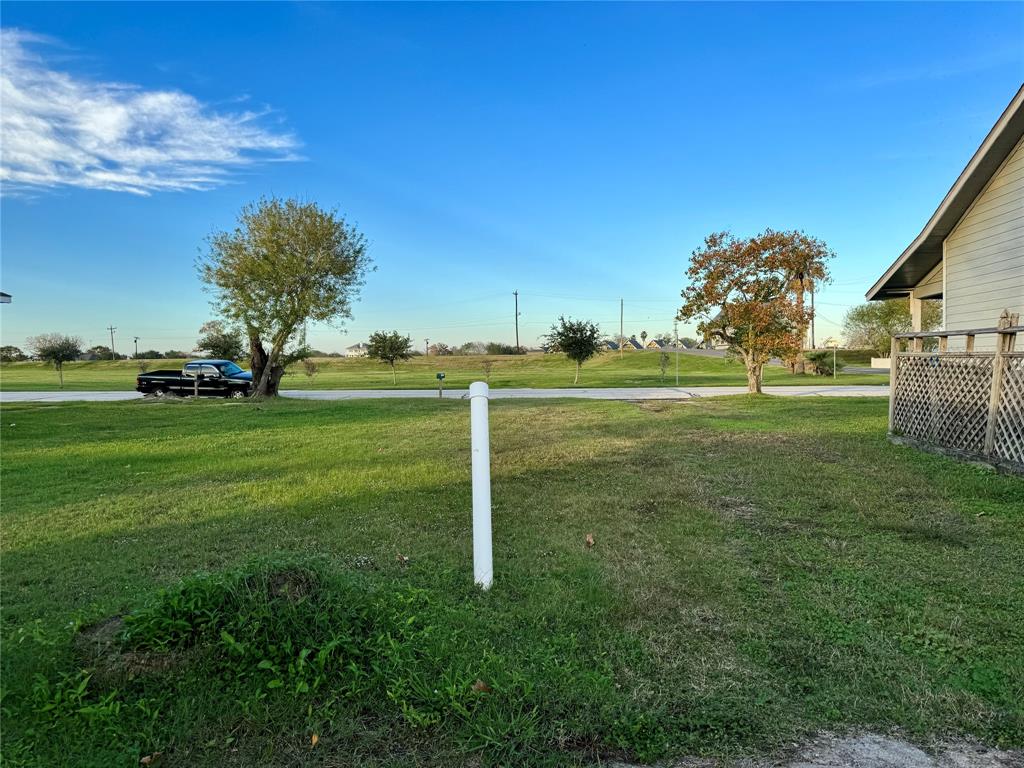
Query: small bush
[{"x": 821, "y": 362}]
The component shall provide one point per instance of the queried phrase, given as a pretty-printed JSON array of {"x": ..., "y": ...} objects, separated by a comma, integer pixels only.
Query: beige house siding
[
  {"x": 931, "y": 286},
  {"x": 984, "y": 254}
]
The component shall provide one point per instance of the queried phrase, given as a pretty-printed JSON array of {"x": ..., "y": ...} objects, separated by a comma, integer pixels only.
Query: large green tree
[
  {"x": 389, "y": 348},
  {"x": 286, "y": 263},
  {"x": 741, "y": 292},
  {"x": 872, "y": 325},
  {"x": 55, "y": 348},
  {"x": 219, "y": 341},
  {"x": 578, "y": 340}
]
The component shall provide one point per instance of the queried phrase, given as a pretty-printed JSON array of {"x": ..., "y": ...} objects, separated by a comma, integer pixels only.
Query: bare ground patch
[{"x": 866, "y": 750}]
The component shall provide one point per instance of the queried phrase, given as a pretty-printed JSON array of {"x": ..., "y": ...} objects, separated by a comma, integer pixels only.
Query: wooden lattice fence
[{"x": 964, "y": 402}]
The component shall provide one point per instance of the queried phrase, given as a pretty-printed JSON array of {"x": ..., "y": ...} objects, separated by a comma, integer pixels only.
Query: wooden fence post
[
  {"x": 894, "y": 350},
  {"x": 1002, "y": 345}
]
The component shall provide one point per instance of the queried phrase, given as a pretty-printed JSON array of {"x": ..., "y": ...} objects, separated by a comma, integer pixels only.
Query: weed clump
[{"x": 358, "y": 660}]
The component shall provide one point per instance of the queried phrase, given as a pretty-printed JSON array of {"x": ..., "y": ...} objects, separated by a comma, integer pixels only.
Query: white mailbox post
[{"x": 483, "y": 565}]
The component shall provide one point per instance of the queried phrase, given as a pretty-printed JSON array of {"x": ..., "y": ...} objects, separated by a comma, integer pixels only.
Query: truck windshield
[{"x": 230, "y": 369}]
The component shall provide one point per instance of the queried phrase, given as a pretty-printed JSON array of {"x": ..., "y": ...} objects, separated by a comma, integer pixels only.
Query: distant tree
[
  {"x": 687, "y": 342},
  {"x": 102, "y": 352},
  {"x": 389, "y": 348},
  {"x": 440, "y": 349},
  {"x": 175, "y": 354},
  {"x": 9, "y": 354},
  {"x": 473, "y": 348},
  {"x": 216, "y": 340},
  {"x": 149, "y": 354},
  {"x": 500, "y": 348},
  {"x": 663, "y": 364},
  {"x": 55, "y": 348},
  {"x": 488, "y": 366},
  {"x": 310, "y": 368},
  {"x": 741, "y": 292},
  {"x": 285, "y": 264},
  {"x": 643, "y": 339},
  {"x": 872, "y": 325},
  {"x": 579, "y": 340}
]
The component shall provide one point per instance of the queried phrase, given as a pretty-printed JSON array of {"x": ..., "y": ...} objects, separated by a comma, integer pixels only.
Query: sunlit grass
[
  {"x": 763, "y": 568},
  {"x": 634, "y": 369}
]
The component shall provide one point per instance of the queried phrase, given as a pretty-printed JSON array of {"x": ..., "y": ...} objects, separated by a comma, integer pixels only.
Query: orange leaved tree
[{"x": 741, "y": 292}]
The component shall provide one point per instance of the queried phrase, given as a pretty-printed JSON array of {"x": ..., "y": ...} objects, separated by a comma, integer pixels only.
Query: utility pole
[
  {"x": 516, "y": 294},
  {"x": 426, "y": 346},
  {"x": 621, "y": 337},
  {"x": 136, "y": 347},
  {"x": 812, "y": 314},
  {"x": 111, "y": 329},
  {"x": 675, "y": 331}
]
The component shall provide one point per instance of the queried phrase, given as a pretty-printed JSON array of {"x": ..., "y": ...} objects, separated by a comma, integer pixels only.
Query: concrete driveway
[{"x": 596, "y": 393}]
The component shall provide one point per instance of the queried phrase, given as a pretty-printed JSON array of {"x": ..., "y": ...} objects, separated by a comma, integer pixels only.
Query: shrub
[{"x": 821, "y": 362}]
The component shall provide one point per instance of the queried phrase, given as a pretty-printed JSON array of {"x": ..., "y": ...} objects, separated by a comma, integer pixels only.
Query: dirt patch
[
  {"x": 656, "y": 406},
  {"x": 293, "y": 584},
  {"x": 98, "y": 646},
  {"x": 940, "y": 529},
  {"x": 98, "y": 639},
  {"x": 867, "y": 750}
]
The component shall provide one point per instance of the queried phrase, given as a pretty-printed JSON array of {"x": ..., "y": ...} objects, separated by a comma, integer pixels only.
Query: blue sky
[{"x": 576, "y": 153}]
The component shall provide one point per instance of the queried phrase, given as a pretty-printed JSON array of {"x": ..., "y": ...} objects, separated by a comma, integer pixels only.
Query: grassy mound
[{"x": 294, "y": 662}]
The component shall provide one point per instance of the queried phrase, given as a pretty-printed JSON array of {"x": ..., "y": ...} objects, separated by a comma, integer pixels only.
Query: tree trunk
[
  {"x": 394, "y": 376},
  {"x": 754, "y": 372},
  {"x": 274, "y": 381},
  {"x": 269, "y": 381},
  {"x": 60, "y": 374},
  {"x": 257, "y": 358},
  {"x": 577, "y": 379}
]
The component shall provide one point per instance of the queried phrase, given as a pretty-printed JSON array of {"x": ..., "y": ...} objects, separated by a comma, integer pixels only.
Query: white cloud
[{"x": 60, "y": 130}]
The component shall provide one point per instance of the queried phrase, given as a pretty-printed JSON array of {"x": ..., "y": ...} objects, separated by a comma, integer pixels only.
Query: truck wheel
[
  {"x": 237, "y": 394},
  {"x": 159, "y": 392}
]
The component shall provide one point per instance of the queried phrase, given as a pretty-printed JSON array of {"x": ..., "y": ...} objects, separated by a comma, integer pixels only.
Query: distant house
[
  {"x": 611, "y": 346},
  {"x": 631, "y": 343},
  {"x": 658, "y": 344},
  {"x": 970, "y": 254},
  {"x": 357, "y": 350},
  {"x": 5, "y": 298}
]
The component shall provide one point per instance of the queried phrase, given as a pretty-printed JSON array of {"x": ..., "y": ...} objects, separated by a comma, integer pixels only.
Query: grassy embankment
[
  {"x": 634, "y": 369},
  {"x": 763, "y": 568}
]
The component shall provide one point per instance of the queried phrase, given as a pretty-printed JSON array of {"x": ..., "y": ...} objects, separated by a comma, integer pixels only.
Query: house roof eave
[{"x": 921, "y": 256}]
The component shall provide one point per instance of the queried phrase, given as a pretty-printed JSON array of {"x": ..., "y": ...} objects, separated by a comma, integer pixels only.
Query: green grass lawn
[
  {"x": 763, "y": 568},
  {"x": 634, "y": 369}
]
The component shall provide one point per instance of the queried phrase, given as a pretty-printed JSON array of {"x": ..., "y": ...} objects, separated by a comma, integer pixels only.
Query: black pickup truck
[{"x": 212, "y": 378}]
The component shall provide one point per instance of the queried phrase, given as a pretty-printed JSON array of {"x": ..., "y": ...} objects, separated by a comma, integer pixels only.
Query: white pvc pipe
[{"x": 483, "y": 565}]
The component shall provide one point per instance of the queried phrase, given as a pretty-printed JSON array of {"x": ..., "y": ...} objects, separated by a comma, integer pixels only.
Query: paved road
[{"x": 609, "y": 393}]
